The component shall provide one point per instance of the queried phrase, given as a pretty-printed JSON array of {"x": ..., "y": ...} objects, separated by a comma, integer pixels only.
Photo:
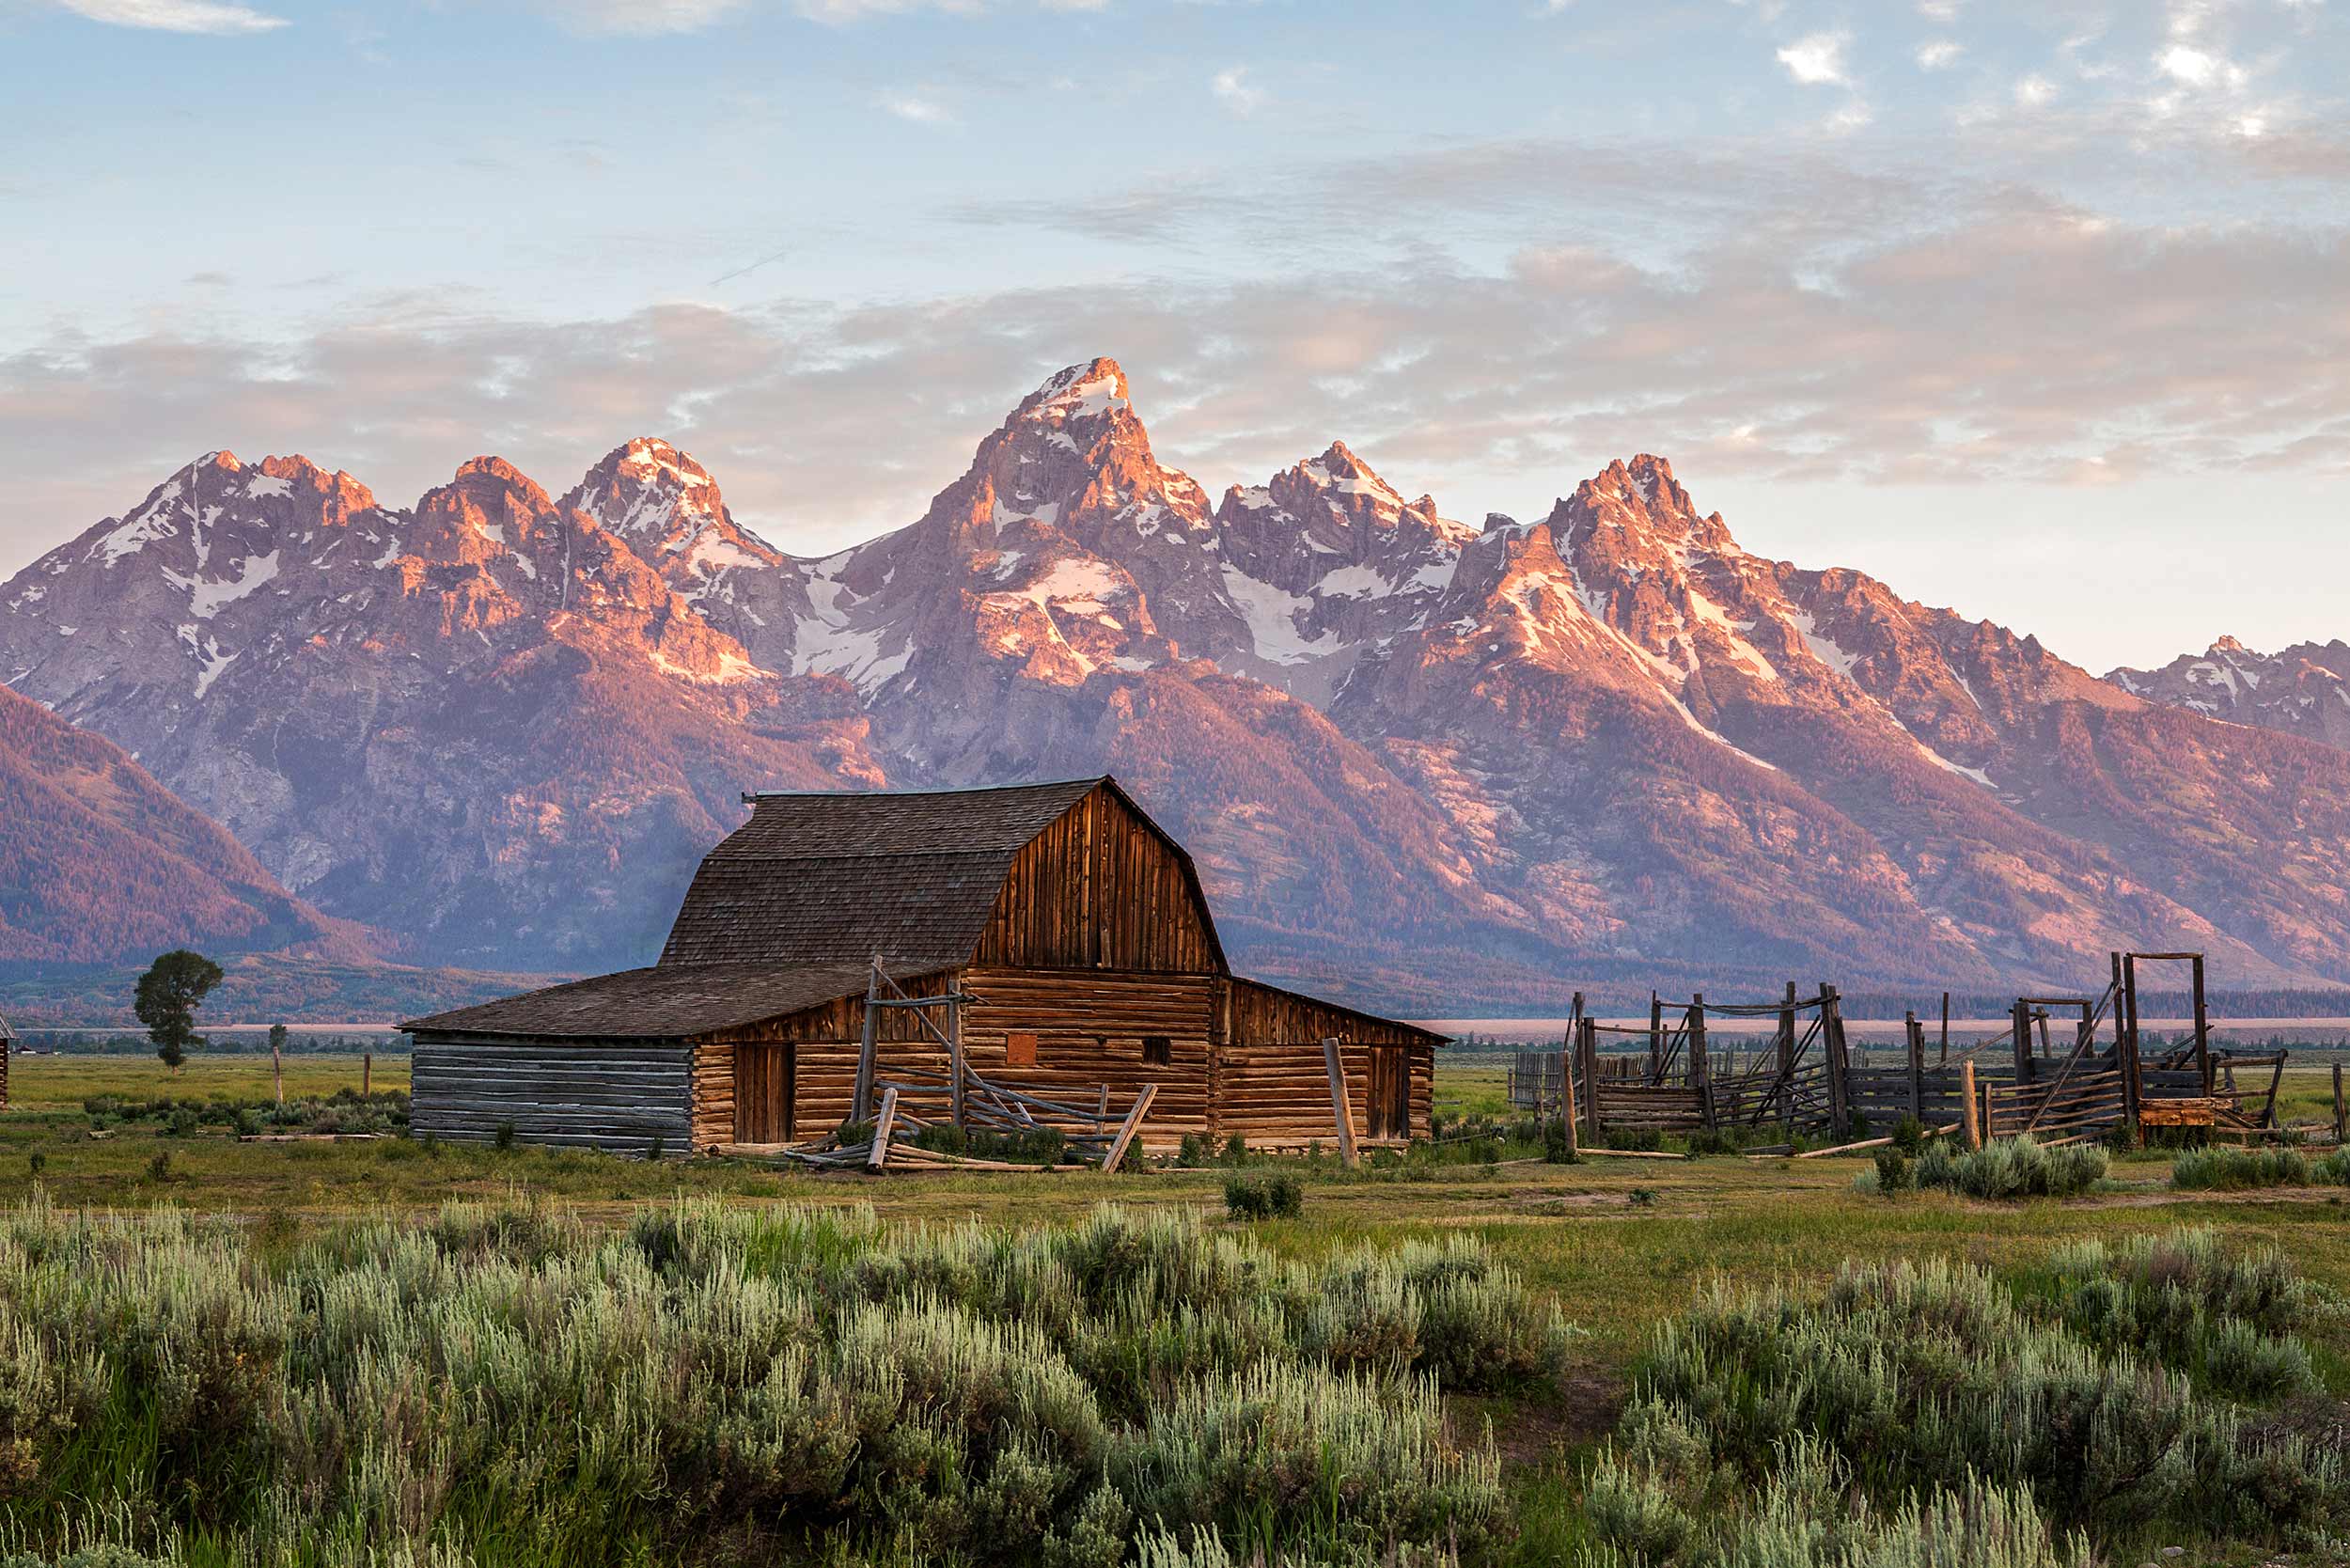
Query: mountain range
[{"x": 1421, "y": 762}]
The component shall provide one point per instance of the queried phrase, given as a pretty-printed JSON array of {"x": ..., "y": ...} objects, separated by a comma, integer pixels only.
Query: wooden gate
[
  {"x": 1388, "y": 1099},
  {"x": 762, "y": 1093}
]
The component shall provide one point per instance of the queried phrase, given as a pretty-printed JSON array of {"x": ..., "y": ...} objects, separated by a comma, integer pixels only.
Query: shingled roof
[
  {"x": 819, "y": 878},
  {"x": 668, "y": 1002},
  {"x": 789, "y": 910}
]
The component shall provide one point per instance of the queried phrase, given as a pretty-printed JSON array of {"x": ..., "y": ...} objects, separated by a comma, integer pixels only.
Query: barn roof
[
  {"x": 668, "y": 1002},
  {"x": 837, "y": 877}
]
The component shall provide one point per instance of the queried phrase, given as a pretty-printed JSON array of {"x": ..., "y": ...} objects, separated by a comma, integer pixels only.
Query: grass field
[{"x": 1618, "y": 1246}]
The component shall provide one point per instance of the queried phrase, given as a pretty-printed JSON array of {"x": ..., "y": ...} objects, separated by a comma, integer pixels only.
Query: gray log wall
[{"x": 612, "y": 1095}]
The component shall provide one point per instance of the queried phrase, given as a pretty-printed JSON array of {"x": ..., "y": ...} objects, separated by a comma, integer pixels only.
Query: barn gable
[{"x": 1067, "y": 875}]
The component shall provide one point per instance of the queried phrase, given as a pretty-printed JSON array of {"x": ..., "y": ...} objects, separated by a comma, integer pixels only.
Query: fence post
[
  {"x": 1701, "y": 1069},
  {"x": 2019, "y": 1024},
  {"x": 954, "y": 1057},
  {"x": 2202, "y": 1027},
  {"x": 2342, "y": 1122},
  {"x": 861, "y": 1097},
  {"x": 1787, "y": 1060},
  {"x": 366, "y": 1074},
  {"x": 1566, "y": 1100},
  {"x": 1946, "y": 1029},
  {"x": 1655, "y": 1038},
  {"x": 1971, "y": 1129},
  {"x": 1914, "y": 1035},
  {"x": 1839, "y": 1063},
  {"x": 1591, "y": 1079}
]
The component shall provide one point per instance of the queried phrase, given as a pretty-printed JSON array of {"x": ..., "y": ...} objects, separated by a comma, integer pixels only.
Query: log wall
[
  {"x": 1101, "y": 888},
  {"x": 613, "y": 1094},
  {"x": 713, "y": 1093},
  {"x": 1274, "y": 1085}
]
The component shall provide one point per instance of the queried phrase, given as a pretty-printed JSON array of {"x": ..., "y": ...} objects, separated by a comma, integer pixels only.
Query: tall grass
[
  {"x": 500, "y": 1384},
  {"x": 1932, "y": 1412}
]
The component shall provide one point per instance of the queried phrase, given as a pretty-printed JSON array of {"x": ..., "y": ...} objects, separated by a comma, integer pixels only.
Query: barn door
[
  {"x": 762, "y": 1093},
  {"x": 1390, "y": 1109}
]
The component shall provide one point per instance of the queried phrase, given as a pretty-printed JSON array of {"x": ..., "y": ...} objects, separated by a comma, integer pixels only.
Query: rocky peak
[
  {"x": 667, "y": 509},
  {"x": 1080, "y": 395}
]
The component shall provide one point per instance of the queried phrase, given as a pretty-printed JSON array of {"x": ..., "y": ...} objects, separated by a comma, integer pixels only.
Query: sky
[{"x": 2040, "y": 311}]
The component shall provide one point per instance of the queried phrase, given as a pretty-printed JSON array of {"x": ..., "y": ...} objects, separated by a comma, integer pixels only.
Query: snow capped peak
[
  {"x": 1080, "y": 392},
  {"x": 654, "y": 460}
]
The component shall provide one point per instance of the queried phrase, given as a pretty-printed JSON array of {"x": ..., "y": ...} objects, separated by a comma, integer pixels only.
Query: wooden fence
[{"x": 1801, "y": 1078}]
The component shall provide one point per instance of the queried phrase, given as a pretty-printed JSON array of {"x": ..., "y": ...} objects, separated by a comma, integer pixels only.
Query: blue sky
[{"x": 1982, "y": 298}]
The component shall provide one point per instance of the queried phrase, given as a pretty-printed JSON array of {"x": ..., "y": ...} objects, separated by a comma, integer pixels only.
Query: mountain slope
[
  {"x": 1431, "y": 764},
  {"x": 98, "y": 860}
]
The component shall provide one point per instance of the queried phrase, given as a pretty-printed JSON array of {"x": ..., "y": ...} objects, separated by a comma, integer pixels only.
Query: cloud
[
  {"x": 1938, "y": 55},
  {"x": 2035, "y": 91},
  {"x": 637, "y": 18},
  {"x": 1233, "y": 89},
  {"x": 1817, "y": 60},
  {"x": 1969, "y": 336},
  {"x": 176, "y": 16},
  {"x": 920, "y": 111}
]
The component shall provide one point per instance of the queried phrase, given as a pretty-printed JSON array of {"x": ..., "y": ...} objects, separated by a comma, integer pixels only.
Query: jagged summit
[{"x": 1080, "y": 392}]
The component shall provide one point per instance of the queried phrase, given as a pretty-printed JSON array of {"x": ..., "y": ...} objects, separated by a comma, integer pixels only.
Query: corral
[
  {"x": 1806, "y": 1082},
  {"x": 1007, "y": 959}
]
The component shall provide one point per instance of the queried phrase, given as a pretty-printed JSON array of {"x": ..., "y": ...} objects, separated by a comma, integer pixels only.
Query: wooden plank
[
  {"x": 879, "y": 1156},
  {"x": 1126, "y": 1129},
  {"x": 1341, "y": 1109}
]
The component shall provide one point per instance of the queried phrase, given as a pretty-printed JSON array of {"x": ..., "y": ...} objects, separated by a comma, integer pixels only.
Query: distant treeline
[{"x": 238, "y": 1043}]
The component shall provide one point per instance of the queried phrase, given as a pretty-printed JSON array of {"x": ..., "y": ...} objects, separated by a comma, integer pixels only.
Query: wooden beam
[
  {"x": 954, "y": 1057},
  {"x": 1566, "y": 1098},
  {"x": 880, "y": 1156},
  {"x": 1126, "y": 1130},
  {"x": 1787, "y": 1060},
  {"x": 2202, "y": 1026},
  {"x": 1589, "y": 1054},
  {"x": 1973, "y": 1129},
  {"x": 1335, "y": 1062},
  {"x": 1914, "y": 1035},
  {"x": 861, "y": 1097},
  {"x": 1833, "y": 1045}
]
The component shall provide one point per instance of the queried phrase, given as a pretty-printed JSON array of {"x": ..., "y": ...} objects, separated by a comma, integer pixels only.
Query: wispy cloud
[
  {"x": 1233, "y": 89},
  {"x": 1938, "y": 55},
  {"x": 2035, "y": 91},
  {"x": 176, "y": 16},
  {"x": 916, "y": 109}
]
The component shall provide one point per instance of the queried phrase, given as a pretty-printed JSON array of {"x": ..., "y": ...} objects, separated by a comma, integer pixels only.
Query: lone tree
[{"x": 169, "y": 994}]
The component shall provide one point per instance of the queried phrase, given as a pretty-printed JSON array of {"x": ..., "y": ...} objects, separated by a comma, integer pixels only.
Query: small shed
[{"x": 1072, "y": 926}]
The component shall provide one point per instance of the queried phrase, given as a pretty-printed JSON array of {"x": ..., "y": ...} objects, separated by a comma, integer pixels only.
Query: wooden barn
[{"x": 1069, "y": 929}]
